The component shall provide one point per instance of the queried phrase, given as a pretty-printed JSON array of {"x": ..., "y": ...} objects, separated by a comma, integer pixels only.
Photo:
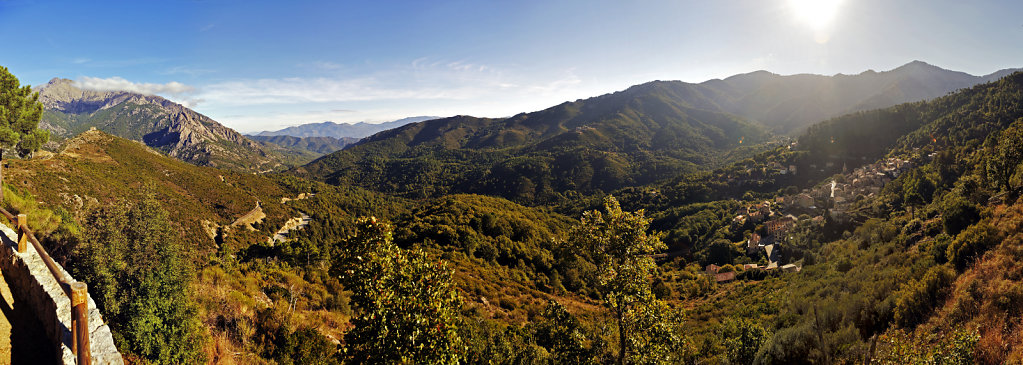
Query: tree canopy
[
  {"x": 619, "y": 246},
  {"x": 407, "y": 301},
  {"x": 20, "y": 111}
]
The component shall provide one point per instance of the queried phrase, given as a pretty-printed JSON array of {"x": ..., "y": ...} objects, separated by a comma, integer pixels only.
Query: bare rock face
[{"x": 159, "y": 123}]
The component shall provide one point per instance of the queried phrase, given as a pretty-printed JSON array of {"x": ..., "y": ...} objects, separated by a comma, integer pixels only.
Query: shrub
[
  {"x": 958, "y": 213},
  {"x": 134, "y": 261},
  {"x": 918, "y": 298},
  {"x": 972, "y": 243}
]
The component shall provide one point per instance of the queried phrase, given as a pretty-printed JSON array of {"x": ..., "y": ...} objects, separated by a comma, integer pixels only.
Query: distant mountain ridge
[
  {"x": 318, "y": 145},
  {"x": 159, "y": 123},
  {"x": 632, "y": 137},
  {"x": 342, "y": 130},
  {"x": 788, "y": 104},
  {"x": 643, "y": 134}
]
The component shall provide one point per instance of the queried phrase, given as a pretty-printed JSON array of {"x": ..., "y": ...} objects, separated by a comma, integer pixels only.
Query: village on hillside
[{"x": 775, "y": 219}]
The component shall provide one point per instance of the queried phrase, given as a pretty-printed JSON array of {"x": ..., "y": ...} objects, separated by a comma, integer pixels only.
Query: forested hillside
[
  {"x": 889, "y": 231},
  {"x": 634, "y": 137},
  {"x": 893, "y": 275},
  {"x": 639, "y": 136}
]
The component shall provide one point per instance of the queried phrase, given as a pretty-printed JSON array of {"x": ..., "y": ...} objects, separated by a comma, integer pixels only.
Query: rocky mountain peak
[{"x": 159, "y": 123}]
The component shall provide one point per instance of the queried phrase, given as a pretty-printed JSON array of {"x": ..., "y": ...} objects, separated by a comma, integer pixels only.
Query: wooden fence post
[
  {"x": 80, "y": 322},
  {"x": 22, "y": 229}
]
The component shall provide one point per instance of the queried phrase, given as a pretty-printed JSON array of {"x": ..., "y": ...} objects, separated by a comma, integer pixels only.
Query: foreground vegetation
[{"x": 920, "y": 270}]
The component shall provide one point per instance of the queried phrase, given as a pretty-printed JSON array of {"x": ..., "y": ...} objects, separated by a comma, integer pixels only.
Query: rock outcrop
[{"x": 159, "y": 123}]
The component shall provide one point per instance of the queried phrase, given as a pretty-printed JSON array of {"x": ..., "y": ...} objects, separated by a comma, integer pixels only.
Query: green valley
[{"x": 658, "y": 224}]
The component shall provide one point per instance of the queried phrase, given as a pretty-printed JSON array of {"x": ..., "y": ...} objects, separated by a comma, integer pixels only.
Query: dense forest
[{"x": 631, "y": 228}]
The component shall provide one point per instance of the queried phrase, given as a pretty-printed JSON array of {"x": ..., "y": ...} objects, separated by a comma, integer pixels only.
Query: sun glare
[{"x": 818, "y": 14}]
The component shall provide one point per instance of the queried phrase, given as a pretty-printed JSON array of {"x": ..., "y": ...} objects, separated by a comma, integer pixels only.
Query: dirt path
[
  {"x": 22, "y": 340},
  {"x": 290, "y": 225},
  {"x": 253, "y": 216}
]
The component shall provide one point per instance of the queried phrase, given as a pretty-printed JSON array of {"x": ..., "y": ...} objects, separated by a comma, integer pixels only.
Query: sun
[{"x": 818, "y": 14}]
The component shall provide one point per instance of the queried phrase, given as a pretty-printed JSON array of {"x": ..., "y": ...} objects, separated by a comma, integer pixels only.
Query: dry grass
[{"x": 988, "y": 297}]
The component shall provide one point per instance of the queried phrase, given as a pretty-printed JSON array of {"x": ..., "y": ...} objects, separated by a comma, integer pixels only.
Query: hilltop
[
  {"x": 96, "y": 168},
  {"x": 788, "y": 104},
  {"x": 641, "y": 135}
]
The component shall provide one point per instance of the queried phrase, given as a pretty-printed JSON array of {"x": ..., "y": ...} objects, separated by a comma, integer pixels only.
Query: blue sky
[{"x": 256, "y": 65}]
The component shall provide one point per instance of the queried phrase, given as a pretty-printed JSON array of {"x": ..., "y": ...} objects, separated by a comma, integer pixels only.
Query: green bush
[
  {"x": 742, "y": 340},
  {"x": 918, "y": 298},
  {"x": 972, "y": 243},
  {"x": 134, "y": 262},
  {"x": 958, "y": 214}
]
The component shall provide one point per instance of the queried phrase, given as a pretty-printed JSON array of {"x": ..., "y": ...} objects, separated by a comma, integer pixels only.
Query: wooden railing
[{"x": 77, "y": 291}]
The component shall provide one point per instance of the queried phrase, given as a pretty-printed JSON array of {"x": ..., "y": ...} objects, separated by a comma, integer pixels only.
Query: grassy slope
[
  {"x": 988, "y": 297},
  {"x": 97, "y": 167}
]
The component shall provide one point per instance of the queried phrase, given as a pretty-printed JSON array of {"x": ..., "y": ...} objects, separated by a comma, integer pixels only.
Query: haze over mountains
[
  {"x": 342, "y": 130},
  {"x": 787, "y": 104},
  {"x": 315, "y": 145}
]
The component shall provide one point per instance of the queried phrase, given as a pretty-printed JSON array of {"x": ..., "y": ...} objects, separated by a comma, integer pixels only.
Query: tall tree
[
  {"x": 20, "y": 111},
  {"x": 407, "y": 301},
  {"x": 139, "y": 274},
  {"x": 917, "y": 189},
  {"x": 1008, "y": 154},
  {"x": 618, "y": 244}
]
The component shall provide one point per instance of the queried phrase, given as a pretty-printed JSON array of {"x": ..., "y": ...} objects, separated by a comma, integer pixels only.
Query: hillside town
[{"x": 775, "y": 219}]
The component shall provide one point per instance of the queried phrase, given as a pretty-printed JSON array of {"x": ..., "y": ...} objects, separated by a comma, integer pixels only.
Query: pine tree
[{"x": 20, "y": 112}]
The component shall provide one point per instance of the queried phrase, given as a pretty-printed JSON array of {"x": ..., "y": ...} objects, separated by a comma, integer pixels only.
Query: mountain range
[
  {"x": 161, "y": 124},
  {"x": 922, "y": 242},
  {"x": 643, "y": 134},
  {"x": 317, "y": 146},
  {"x": 342, "y": 130},
  {"x": 676, "y": 124},
  {"x": 788, "y": 104},
  {"x": 636, "y": 136}
]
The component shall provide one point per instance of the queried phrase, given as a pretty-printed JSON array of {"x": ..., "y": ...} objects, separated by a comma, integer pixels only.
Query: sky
[{"x": 255, "y": 65}]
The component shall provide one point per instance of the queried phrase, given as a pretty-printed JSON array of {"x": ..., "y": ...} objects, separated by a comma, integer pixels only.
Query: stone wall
[{"x": 33, "y": 285}]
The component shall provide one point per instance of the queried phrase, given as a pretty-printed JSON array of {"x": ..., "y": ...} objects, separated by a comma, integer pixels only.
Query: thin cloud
[
  {"x": 185, "y": 70},
  {"x": 324, "y": 65},
  {"x": 174, "y": 90},
  {"x": 120, "y": 84},
  {"x": 424, "y": 86},
  {"x": 423, "y": 79}
]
